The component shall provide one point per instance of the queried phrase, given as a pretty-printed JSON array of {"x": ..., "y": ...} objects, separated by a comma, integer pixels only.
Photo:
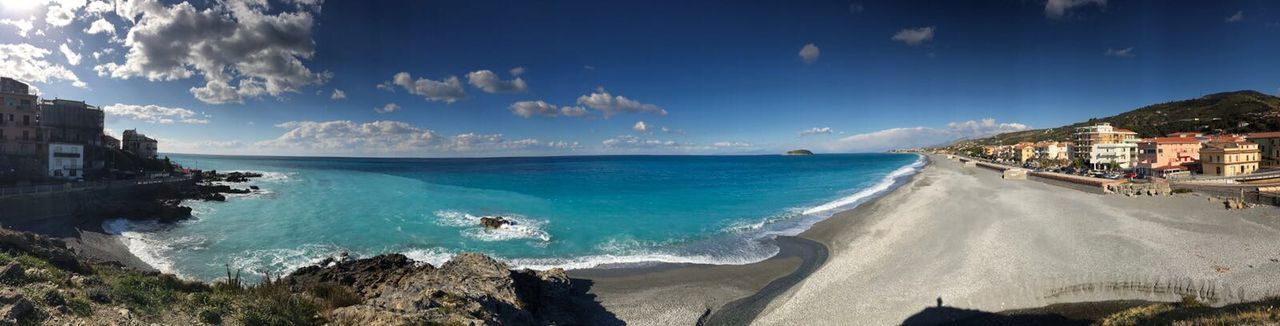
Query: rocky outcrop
[
  {"x": 494, "y": 222},
  {"x": 1235, "y": 203},
  {"x": 236, "y": 177},
  {"x": 52, "y": 250},
  {"x": 164, "y": 210},
  {"x": 471, "y": 289},
  {"x": 366, "y": 277}
]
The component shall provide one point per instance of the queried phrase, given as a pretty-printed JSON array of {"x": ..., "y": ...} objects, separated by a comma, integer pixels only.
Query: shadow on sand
[
  {"x": 587, "y": 306},
  {"x": 1078, "y": 313}
]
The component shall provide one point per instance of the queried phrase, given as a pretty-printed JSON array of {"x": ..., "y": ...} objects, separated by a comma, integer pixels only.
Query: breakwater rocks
[
  {"x": 1140, "y": 189},
  {"x": 471, "y": 289},
  {"x": 236, "y": 177}
]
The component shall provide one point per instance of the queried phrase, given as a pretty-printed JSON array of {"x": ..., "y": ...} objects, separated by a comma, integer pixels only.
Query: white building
[
  {"x": 66, "y": 160},
  {"x": 1124, "y": 155}
]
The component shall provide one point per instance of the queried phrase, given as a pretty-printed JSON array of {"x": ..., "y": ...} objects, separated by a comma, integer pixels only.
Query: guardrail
[{"x": 82, "y": 186}]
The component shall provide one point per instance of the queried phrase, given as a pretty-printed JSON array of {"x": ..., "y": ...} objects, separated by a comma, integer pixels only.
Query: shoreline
[{"x": 730, "y": 294}]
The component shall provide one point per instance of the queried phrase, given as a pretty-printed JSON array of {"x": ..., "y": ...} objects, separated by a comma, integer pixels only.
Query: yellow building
[
  {"x": 1229, "y": 158},
  {"x": 1024, "y": 152}
]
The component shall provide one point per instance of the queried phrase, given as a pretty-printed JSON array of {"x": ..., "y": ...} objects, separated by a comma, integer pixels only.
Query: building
[
  {"x": 74, "y": 122},
  {"x": 1268, "y": 147},
  {"x": 110, "y": 142},
  {"x": 1024, "y": 152},
  {"x": 139, "y": 144},
  {"x": 1161, "y": 155},
  {"x": 1054, "y": 151},
  {"x": 1229, "y": 158},
  {"x": 21, "y": 142},
  {"x": 1103, "y": 145},
  {"x": 66, "y": 160},
  {"x": 1120, "y": 155}
]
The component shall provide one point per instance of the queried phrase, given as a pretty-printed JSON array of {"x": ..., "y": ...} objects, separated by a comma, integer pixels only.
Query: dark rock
[
  {"x": 494, "y": 222},
  {"x": 12, "y": 274},
  {"x": 20, "y": 308},
  {"x": 366, "y": 276},
  {"x": 253, "y": 187},
  {"x": 470, "y": 289},
  {"x": 52, "y": 250}
]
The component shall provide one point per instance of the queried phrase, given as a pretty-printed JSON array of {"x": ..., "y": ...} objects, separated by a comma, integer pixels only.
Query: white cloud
[
  {"x": 1238, "y": 16},
  {"x": 1059, "y": 8},
  {"x": 640, "y": 127},
  {"x": 23, "y": 25},
  {"x": 517, "y": 71},
  {"x": 239, "y": 49},
  {"x": 62, "y": 12},
  {"x": 1122, "y": 53},
  {"x": 920, "y": 136},
  {"x": 489, "y": 82},
  {"x": 611, "y": 105},
  {"x": 388, "y": 108},
  {"x": 447, "y": 90},
  {"x": 203, "y": 146},
  {"x": 541, "y": 108},
  {"x": 155, "y": 114},
  {"x": 27, "y": 63},
  {"x": 338, "y": 94},
  {"x": 816, "y": 131},
  {"x": 72, "y": 57},
  {"x": 99, "y": 7},
  {"x": 101, "y": 26},
  {"x": 380, "y": 138},
  {"x": 809, "y": 53},
  {"x": 914, "y": 36},
  {"x": 627, "y": 141}
]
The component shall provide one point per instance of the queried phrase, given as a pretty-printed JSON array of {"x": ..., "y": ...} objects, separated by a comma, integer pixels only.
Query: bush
[
  {"x": 80, "y": 307},
  {"x": 210, "y": 316},
  {"x": 1182, "y": 191},
  {"x": 333, "y": 296}
]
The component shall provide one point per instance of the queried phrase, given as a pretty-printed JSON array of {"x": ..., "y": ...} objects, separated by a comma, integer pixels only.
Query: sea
[{"x": 571, "y": 212}]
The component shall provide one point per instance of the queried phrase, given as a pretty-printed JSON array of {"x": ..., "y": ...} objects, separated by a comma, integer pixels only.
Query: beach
[{"x": 976, "y": 241}]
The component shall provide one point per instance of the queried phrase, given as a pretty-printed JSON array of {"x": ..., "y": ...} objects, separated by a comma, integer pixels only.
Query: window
[
  {"x": 25, "y": 136},
  {"x": 1219, "y": 169},
  {"x": 26, "y": 120}
]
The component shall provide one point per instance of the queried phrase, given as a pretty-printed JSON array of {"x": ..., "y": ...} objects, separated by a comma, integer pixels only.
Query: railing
[{"x": 81, "y": 186}]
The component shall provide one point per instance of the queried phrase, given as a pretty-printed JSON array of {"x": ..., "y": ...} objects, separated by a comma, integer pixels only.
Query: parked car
[{"x": 1130, "y": 175}]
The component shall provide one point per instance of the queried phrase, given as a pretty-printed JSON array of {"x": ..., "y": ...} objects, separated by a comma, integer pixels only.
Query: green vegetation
[
  {"x": 164, "y": 298},
  {"x": 1231, "y": 112}
]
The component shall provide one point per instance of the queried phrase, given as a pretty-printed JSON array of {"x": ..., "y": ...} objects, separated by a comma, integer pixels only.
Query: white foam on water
[
  {"x": 433, "y": 256},
  {"x": 884, "y": 185},
  {"x": 280, "y": 261},
  {"x": 139, "y": 237},
  {"x": 521, "y": 227}
]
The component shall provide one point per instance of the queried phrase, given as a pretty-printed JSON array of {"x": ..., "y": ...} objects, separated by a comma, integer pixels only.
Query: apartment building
[
  {"x": 1229, "y": 158},
  {"x": 1268, "y": 147},
  {"x": 1160, "y": 155}
]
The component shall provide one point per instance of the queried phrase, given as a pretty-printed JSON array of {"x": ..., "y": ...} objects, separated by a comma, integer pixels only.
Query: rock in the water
[{"x": 494, "y": 222}]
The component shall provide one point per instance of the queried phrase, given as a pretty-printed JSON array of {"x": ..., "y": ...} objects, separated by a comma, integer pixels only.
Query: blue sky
[{"x": 496, "y": 78}]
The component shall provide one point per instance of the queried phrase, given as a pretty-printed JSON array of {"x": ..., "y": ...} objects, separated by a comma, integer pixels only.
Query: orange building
[{"x": 1160, "y": 155}]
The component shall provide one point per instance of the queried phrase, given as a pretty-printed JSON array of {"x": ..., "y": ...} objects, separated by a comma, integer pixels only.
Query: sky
[{"x": 515, "y": 78}]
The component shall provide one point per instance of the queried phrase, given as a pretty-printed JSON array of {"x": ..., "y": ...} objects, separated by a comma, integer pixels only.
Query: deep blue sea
[{"x": 572, "y": 212}]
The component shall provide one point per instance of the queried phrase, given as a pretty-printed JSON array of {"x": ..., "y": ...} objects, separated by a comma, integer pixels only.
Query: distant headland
[{"x": 799, "y": 152}]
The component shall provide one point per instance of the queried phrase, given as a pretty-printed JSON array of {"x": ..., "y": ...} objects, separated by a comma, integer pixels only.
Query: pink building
[{"x": 1160, "y": 155}]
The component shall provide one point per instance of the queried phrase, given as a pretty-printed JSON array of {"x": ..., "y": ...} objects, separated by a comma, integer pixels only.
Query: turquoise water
[{"x": 573, "y": 212}]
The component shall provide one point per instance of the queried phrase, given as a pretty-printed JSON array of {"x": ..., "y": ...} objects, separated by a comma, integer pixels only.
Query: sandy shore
[{"x": 977, "y": 242}]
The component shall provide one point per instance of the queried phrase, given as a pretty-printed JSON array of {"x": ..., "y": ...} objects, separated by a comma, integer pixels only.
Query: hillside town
[
  {"x": 1103, "y": 150},
  {"x": 45, "y": 141}
]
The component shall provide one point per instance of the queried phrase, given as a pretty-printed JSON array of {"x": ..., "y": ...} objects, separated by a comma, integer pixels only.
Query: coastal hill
[{"x": 1229, "y": 112}]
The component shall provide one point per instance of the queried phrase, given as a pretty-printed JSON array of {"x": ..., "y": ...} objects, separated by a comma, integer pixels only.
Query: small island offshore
[{"x": 798, "y": 152}]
